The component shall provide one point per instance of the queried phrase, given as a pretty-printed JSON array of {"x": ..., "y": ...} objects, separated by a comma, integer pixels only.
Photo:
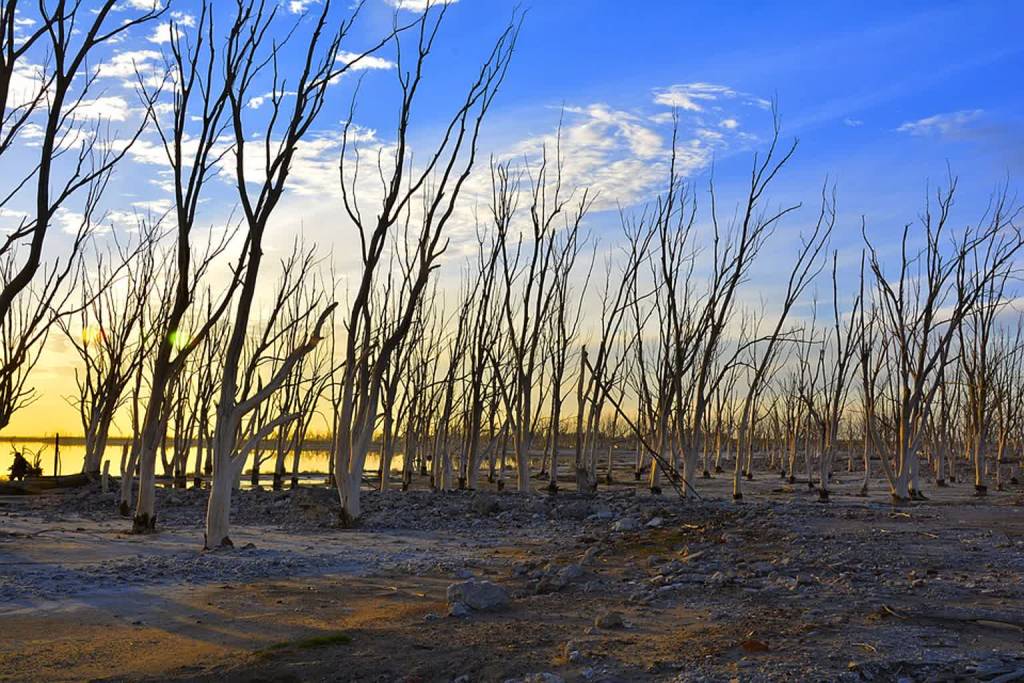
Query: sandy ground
[{"x": 779, "y": 587}]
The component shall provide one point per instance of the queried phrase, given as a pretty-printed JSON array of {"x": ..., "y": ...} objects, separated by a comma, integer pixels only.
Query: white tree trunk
[
  {"x": 218, "y": 510},
  {"x": 145, "y": 509},
  {"x": 691, "y": 463},
  {"x": 523, "y": 464},
  {"x": 348, "y": 487}
]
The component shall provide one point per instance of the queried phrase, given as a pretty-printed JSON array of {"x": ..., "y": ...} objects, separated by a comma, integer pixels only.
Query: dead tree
[
  {"x": 528, "y": 264},
  {"x": 201, "y": 76},
  {"x": 54, "y": 56},
  {"x": 807, "y": 264},
  {"x": 936, "y": 286},
  {"x": 259, "y": 192},
  {"x": 695, "y": 366},
  {"x": 978, "y": 365},
  {"x": 106, "y": 334},
  {"x": 266, "y": 364},
  {"x": 563, "y": 330},
  {"x": 438, "y": 183}
]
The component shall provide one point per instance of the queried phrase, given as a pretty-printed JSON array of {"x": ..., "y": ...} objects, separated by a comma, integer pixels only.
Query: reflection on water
[{"x": 73, "y": 455}]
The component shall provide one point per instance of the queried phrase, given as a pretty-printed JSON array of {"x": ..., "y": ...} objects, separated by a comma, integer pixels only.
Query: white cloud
[
  {"x": 299, "y": 6},
  {"x": 696, "y": 97},
  {"x": 162, "y": 33},
  {"x": 184, "y": 19},
  {"x": 367, "y": 62},
  {"x": 145, "y": 5},
  {"x": 68, "y": 221},
  {"x": 11, "y": 219},
  {"x": 26, "y": 82},
  {"x": 620, "y": 156},
  {"x": 125, "y": 64},
  {"x": 691, "y": 96},
  {"x": 258, "y": 101},
  {"x": 107, "y": 108},
  {"x": 151, "y": 151},
  {"x": 731, "y": 124},
  {"x": 853, "y": 123},
  {"x": 314, "y": 168},
  {"x": 153, "y": 206},
  {"x": 950, "y": 124},
  {"x": 418, "y": 5}
]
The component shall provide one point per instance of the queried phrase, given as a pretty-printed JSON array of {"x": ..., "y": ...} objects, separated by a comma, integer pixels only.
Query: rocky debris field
[{"x": 619, "y": 586}]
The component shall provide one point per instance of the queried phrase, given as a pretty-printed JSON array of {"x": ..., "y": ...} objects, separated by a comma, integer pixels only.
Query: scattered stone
[
  {"x": 545, "y": 677},
  {"x": 478, "y": 595},
  {"x": 754, "y": 645},
  {"x": 576, "y": 510},
  {"x": 626, "y": 524},
  {"x": 459, "y": 610},
  {"x": 609, "y": 620},
  {"x": 486, "y": 505}
]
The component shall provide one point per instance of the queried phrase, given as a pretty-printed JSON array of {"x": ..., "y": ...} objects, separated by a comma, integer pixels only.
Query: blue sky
[{"x": 882, "y": 96}]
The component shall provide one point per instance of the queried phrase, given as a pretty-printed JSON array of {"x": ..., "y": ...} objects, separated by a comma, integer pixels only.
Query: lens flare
[{"x": 178, "y": 339}]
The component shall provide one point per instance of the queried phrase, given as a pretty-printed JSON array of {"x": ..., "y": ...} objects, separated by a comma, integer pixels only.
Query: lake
[{"x": 311, "y": 462}]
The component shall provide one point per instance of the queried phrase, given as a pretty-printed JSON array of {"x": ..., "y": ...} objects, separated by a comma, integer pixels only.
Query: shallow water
[{"x": 313, "y": 461}]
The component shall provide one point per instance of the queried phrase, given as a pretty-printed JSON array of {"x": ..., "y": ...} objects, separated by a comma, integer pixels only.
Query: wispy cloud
[
  {"x": 696, "y": 97},
  {"x": 948, "y": 125}
]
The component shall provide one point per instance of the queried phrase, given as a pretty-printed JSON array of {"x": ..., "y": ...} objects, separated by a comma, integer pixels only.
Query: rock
[
  {"x": 571, "y": 652},
  {"x": 522, "y": 568},
  {"x": 655, "y": 522},
  {"x": 609, "y": 620},
  {"x": 545, "y": 677},
  {"x": 555, "y": 579},
  {"x": 458, "y": 610},
  {"x": 626, "y": 524},
  {"x": 570, "y": 573},
  {"x": 718, "y": 579},
  {"x": 754, "y": 645},
  {"x": 486, "y": 505},
  {"x": 576, "y": 510},
  {"x": 478, "y": 595},
  {"x": 589, "y": 555}
]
